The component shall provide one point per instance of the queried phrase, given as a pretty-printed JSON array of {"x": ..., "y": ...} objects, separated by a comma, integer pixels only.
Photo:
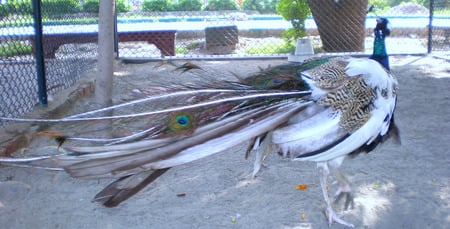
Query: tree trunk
[
  {"x": 103, "y": 83},
  {"x": 340, "y": 23},
  {"x": 104, "y": 79}
]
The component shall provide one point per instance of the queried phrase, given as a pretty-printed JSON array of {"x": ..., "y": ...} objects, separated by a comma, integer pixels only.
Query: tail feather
[
  {"x": 215, "y": 145},
  {"x": 205, "y": 141},
  {"x": 125, "y": 187}
]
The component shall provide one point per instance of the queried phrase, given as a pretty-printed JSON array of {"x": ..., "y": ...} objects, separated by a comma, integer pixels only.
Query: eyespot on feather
[{"x": 180, "y": 122}]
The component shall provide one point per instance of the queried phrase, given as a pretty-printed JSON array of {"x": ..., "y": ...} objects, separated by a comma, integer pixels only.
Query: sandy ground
[{"x": 405, "y": 186}]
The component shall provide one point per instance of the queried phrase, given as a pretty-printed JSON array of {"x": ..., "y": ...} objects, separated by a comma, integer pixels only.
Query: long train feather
[
  {"x": 168, "y": 110},
  {"x": 125, "y": 187},
  {"x": 88, "y": 165}
]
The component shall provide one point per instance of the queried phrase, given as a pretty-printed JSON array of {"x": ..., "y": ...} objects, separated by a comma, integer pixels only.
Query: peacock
[{"x": 323, "y": 110}]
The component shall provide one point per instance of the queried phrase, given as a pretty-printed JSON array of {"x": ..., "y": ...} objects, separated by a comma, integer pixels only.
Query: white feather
[
  {"x": 370, "y": 130},
  {"x": 314, "y": 133},
  {"x": 374, "y": 74},
  {"x": 316, "y": 92},
  {"x": 309, "y": 135}
]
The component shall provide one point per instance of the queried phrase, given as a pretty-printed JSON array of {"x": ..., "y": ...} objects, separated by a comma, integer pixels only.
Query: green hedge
[
  {"x": 6, "y": 10},
  {"x": 92, "y": 6},
  {"x": 262, "y": 6},
  {"x": 15, "y": 48},
  {"x": 56, "y": 7},
  {"x": 157, "y": 5},
  {"x": 20, "y": 7},
  {"x": 189, "y": 5},
  {"x": 59, "y": 7},
  {"x": 214, "y": 5},
  {"x": 49, "y": 7}
]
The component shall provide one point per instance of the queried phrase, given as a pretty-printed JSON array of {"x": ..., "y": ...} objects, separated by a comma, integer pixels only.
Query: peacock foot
[
  {"x": 344, "y": 191},
  {"x": 332, "y": 216},
  {"x": 256, "y": 167}
]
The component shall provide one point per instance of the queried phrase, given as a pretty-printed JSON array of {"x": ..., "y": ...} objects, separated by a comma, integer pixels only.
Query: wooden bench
[{"x": 163, "y": 40}]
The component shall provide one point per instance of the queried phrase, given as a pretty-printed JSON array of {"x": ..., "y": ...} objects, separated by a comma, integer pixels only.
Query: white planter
[{"x": 303, "y": 50}]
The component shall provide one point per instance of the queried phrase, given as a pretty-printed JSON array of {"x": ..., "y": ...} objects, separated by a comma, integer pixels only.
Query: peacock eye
[
  {"x": 278, "y": 80},
  {"x": 182, "y": 120}
]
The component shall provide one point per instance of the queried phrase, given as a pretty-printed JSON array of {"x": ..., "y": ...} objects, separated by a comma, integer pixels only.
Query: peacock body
[{"x": 320, "y": 110}]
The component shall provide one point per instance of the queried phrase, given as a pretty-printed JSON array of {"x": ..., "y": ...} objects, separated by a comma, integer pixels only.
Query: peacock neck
[
  {"x": 379, "y": 50},
  {"x": 379, "y": 46}
]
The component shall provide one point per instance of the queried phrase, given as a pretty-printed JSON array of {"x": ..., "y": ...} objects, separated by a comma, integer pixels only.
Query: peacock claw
[
  {"x": 345, "y": 191},
  {"x": 332, "y": 216},
  {"x": 349, "y": 202},
  {"x": 256, "y": 168}
]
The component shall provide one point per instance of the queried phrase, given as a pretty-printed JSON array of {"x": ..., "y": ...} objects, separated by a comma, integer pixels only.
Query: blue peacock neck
[{"x": 379, "y": 46}]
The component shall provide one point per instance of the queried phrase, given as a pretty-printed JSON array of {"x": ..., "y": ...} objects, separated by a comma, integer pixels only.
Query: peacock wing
[{"x": 354, "y": 104}]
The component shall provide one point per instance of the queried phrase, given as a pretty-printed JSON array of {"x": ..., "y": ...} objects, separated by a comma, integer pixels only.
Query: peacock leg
[
  {"x": 331, "y": 215},
  {"x": 262, "y": 149},
  {"x": 344, "y": 190},
  {"x": 259, "y": 158}
]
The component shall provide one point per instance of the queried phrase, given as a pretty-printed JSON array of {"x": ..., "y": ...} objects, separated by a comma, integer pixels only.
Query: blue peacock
[{"x": 321, "y": 110}]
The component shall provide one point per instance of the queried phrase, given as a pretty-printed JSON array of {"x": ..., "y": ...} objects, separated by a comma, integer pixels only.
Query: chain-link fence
[
  {"x": 18, "y": 68},
  {"x": 189, "y": 29},
  {"x": 69, "y": 50},
  {"x": 337, "y": 26},
  {"x": 439, "y": 36}
]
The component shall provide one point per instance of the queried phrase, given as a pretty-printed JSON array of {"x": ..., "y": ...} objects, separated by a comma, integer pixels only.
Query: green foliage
[
  {"x": 49, "y": 7},
  {"x": 214, "y": 5},
  {"x": 59, "y": 7},
  {"x": 181, "y": 50},
  {"x": 295, "y": 11},
  {"x": 92, "y": 6},
  {"x": 293, "y": 34},
  {"x": 5, "y": 10},
  {"x": 14, "y": 48},
  {"x": 262, "y": 6},
  {"x": 20, "y": 7},
  {"x": 189, "y": 5},
  {"x": 122, "y": 6},
  {"x": 157, "y": 5},
  {"x": 277, "y": 48},
  {"x": 46, "y": 21},
  {"x": 378, "y": 4},
  {"x": 194, "y": 44}
]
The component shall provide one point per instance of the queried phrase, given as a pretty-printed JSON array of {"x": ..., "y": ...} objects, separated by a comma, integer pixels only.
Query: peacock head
[
  {"x": 383, "y": 27},
  {"x": 379, "y": 49}
]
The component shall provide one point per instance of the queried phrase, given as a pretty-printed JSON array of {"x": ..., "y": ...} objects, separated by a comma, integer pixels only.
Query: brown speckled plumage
[
  {"x": 330, "y": 75},
  {"x": 351, "y": 95}
]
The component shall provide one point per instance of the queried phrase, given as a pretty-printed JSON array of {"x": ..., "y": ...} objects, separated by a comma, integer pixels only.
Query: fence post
[
  {"x": 39, "y": 55},
  {"x": 116, "y": 37},
  {"x": 430, "y": 27}
]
